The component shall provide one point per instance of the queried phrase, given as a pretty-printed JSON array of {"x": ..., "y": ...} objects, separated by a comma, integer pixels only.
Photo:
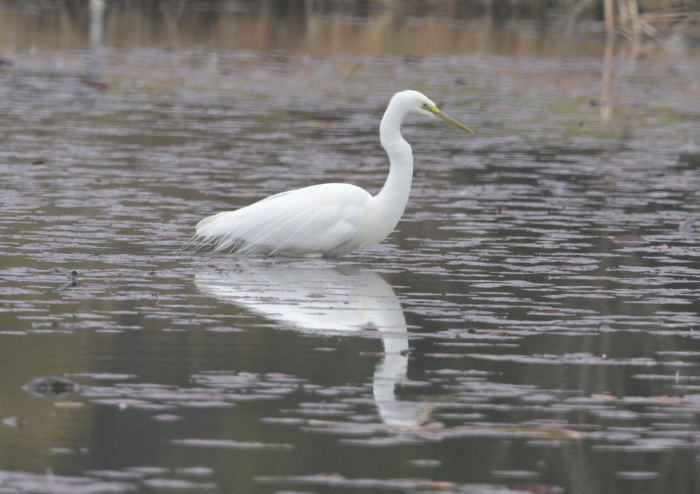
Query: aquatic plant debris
[
  {"x": 71, "y": 275},
  {"x": 51, "y": 387},
  {"x": 687, "y": 225},
  {"x": 229, "y": 444}
]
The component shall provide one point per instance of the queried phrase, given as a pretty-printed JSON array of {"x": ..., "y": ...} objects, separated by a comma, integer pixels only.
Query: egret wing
[{"x": 307, "y": 222}]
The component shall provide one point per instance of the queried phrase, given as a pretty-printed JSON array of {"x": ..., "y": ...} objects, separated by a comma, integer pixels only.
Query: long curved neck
[{"x": 394, "y": 195}]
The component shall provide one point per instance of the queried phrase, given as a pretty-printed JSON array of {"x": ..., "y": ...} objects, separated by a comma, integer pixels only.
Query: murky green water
[{"x": 531, "y": 325}]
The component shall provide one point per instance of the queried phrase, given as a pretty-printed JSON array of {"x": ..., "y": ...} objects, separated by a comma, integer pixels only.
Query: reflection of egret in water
[{"x": 347, "y": 298}]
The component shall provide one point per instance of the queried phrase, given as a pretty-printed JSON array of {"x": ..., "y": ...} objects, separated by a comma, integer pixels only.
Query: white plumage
[{"x": 327, "y": 220}]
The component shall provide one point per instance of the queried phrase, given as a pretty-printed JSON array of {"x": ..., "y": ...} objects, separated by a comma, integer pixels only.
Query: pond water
[{"x": 531, "y": 326}]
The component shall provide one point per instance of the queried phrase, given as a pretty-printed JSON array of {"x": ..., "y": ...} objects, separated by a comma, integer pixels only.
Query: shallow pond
[{"x": 531, "y": 326}]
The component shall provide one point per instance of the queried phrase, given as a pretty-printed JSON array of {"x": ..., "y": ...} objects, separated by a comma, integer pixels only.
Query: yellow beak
[{"x": 445, "y": 118}]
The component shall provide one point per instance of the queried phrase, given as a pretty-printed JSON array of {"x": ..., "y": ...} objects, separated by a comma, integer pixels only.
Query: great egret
[{"x": 327, "y": 220}]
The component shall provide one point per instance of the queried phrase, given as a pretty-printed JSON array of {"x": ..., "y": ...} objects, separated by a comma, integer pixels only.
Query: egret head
[{"x": 420, "y": 104}]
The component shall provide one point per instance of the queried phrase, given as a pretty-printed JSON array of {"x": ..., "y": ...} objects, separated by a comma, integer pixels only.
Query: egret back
[{"x": 316, "y": 221}]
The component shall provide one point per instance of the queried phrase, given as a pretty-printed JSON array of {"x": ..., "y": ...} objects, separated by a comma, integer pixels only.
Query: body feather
[{"x": 307, "y": 222}]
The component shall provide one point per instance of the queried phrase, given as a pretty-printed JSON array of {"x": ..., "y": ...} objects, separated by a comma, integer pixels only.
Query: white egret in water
[{"x": 327, "y": 220}]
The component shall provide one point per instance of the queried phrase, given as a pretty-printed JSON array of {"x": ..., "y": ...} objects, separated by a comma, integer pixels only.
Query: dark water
[{"x": 530, "y": 327}]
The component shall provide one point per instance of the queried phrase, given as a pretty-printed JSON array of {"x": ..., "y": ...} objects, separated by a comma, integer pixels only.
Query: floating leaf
[{"x": 629, "y": 239}]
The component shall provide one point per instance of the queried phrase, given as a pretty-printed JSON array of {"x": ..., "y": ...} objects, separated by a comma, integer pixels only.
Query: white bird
[{"x": 327, "y": 220}]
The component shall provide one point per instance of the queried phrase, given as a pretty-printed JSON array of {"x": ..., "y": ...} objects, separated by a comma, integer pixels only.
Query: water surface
[{"x": 531, "y": 325}]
